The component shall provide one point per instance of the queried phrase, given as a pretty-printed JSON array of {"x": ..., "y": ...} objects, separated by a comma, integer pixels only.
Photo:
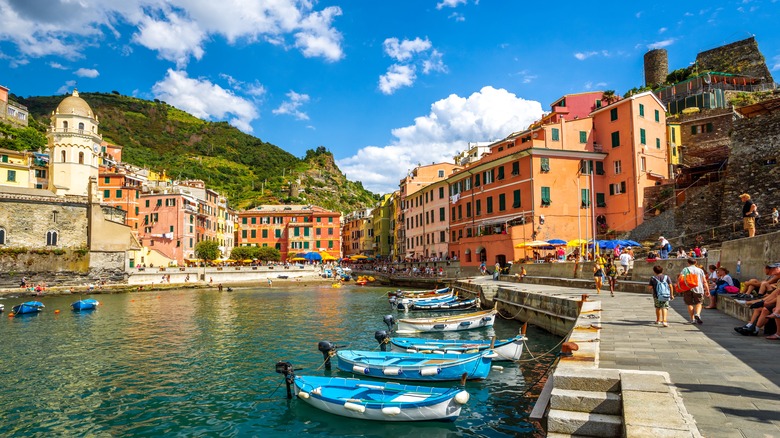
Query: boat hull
[
  {"x": 445, "y": 306},
  {"x": 28, "y": 308},
  {"x": 380, "y": 401},
  {"x": 82, "y": 305},
  {"x": 415, "y": 366},
  {"x": 449, "y": 323},
  {"x": 505, "y": 349}
]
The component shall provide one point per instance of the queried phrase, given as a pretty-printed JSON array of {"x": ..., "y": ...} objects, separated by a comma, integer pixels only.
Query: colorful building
[
  {"x": 15, "y": 168},
  {"x": 10, "y": 111},
  {"x": 383, "y": 222},
  {"x": 168, "y": 227},
  {"x": 292, "y": 229},
  {"x": 122, "y": 189}
]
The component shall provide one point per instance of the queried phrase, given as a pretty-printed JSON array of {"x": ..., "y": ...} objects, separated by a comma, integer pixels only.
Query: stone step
[
  {"x": 581, "y": 423},
  {"x": 565, "y": 435},
  {"x": 586, "y": 401},
  {"x": 587, "y": 379}
]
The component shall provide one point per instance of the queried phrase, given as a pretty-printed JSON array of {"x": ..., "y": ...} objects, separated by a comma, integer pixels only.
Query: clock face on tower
[{"x": 95, "y": 148}]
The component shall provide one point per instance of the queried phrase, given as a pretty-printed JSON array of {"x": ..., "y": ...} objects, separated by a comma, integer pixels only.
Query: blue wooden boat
[
  {"x": 28, "y": 308},
  {"x": 406, "y": 303},
  {"x": 445, "y": 305},
  {"x": 466, "y": 321},
  {"x": 505, "y": 349},
  {"x": 88, "y": 304},
  {"x": 377, "y": 401},
  {"x": 417, "y": 293},
  {"x": 415, "y": 366}
]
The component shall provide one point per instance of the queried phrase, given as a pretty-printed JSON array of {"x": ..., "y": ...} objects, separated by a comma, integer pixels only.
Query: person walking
[
  {"x": 663, "y": 294},
  {"x": 748, "y": 214},
  {"x": 610, "y": 270},
  {"x": 625, "y": 262},
  {"x": 692, "y": 282},
  {"x": 598, "y": 276}
]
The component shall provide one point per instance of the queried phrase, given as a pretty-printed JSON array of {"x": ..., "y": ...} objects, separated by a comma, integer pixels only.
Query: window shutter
[{"x": 611, "y": 189}]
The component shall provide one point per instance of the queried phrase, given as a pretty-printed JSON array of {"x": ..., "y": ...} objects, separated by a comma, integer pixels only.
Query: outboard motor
[
  {"x": 328, "y": 349},
  {"x": 287, "y": 370},
  {"x": 389, "y": 321},
  {"x": 383, "y": 338}
]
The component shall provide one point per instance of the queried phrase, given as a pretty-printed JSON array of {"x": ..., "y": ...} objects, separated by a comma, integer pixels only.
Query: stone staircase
[{"x": 586, "y": 404}]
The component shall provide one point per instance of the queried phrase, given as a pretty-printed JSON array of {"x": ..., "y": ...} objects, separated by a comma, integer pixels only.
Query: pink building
[{"x": 168, "y": 222}]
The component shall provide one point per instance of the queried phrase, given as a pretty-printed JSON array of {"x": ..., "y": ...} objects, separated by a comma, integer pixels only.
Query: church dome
[{"x": 73, "y": 104}]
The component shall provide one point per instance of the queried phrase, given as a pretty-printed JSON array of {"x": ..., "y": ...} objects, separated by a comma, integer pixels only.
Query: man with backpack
[
  {"x": 692, "y": 282},
  {"x": 663, "y": 293},
  {"x": 665, "y": 247}
]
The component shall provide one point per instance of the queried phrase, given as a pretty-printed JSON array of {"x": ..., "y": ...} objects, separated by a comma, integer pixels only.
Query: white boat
[
  {"x": 505, "y": 349},
  {"x": 466, "y": 321}
]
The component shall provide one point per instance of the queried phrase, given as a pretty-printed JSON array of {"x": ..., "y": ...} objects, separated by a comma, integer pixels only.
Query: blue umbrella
[
  {"x": 629, "y": 243},
  {"x": 312, "y": 256},
  {"x": 609, "y": 244},
  {"x": 556, "y": 242}
]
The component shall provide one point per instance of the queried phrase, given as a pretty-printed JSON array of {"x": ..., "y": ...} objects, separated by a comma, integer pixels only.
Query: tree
[
  {"x": 266, "y": 253},
  {"x": 207, "y": 250},
  {"x": 244, "y": 253},
  {"x": 608, "y": 97}
]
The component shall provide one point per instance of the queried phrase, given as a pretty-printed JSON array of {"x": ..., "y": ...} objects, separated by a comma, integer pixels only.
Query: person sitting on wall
[
  {"x": 724, "y": 279},
  {"x": 762, "y": 308},
  {"x": 772, "y": 272}
]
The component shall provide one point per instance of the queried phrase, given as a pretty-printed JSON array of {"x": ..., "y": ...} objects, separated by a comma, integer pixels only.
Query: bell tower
[{"x": 74, "y": 147}]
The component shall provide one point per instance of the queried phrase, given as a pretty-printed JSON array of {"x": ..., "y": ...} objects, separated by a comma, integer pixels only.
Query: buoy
[
  {"x": 303, "y": 395},
  {"x": 429, "y": 371},
  {"x": 462, "y": 397},
  {"x": 57, "y": 311},
  {"x": 497, "y": 367},
  {"x": 355, "y": 407},
  {"x": 391, "y": 371},
  {"x": 391, "y": 411},
  {"x": 11, "y": 315},
  {"x": 359, "y": 370}
]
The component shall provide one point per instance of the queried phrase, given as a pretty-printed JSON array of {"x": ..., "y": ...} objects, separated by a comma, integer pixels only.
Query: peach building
[
  {"x": 357, "y": 233},
  {"x": 585, "y": 163},
  {"x": 291, "y": 229},
  {"x": 122, "y": 189},
  {"x": 167, "y": 223}
]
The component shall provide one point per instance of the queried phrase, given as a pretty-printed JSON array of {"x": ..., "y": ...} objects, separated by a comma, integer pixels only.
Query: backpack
[
  {"x": 662, "y": 290},
  {"x": 687, "y": 280},
  {"x": 668, "y": 247}
]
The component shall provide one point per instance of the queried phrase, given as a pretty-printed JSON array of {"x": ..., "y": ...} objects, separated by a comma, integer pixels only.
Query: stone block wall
[
  {"x": 705, "y": 147},
  {"x": 740, "y": 57},
  {"x": 26, "y": 221}
]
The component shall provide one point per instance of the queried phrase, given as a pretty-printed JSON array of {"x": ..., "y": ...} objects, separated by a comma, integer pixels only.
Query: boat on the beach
[
  {"x": 444, "y": 306},
  {"x": 415, "y": 366},
  {"x": 27, "y": 308},
  {"x": 505, "y": 349},
  {"x": 378, "y": 401},
  {"x": 466, "y": 321},
  {"x": 88, "y": 304}
]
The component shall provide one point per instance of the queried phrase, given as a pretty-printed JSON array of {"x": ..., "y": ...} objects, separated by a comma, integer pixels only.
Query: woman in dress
[
  {"x": 598, "y": 276},
  {"x": 610, "y": 270}
]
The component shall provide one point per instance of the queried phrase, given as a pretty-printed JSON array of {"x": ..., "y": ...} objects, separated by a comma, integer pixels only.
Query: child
[{"x": 775, "y": 216}]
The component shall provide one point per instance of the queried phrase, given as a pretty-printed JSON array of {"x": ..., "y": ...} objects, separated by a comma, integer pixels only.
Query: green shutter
[
  {"x": 501, "y": 202},
  {"x": 106, "y": 194},
  {"x": 599, "y": 168},
  {"x": 545, "y": 164},
  {"x": 306, "y": 231},
  {"x": 585, "y": 197},
  {"x": 265, "y": 234},
  {"x": 616, "y": 139},
  {"x": 546, "y": 196},
  {"x": 600, "y": 201},
  {"x": 516, "y": 201},
  {"x": 490, "y": 204},
  {"x": 657, "y": 116},
  {"x": 555, "y": 134},
  {"x": 658, "y": 143},
  {"x": 642, "y": 136},
  {"x": 613, "y": 115},
  {"x": 641, "y": 110},
  {"x": 693, "y": 129},
  {"x": 118, "y": 193},
  {"x": 583, "y": 137},
  {"x": 296, "y": 231}
]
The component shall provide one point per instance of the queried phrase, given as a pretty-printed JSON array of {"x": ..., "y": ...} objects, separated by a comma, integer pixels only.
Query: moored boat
[
  {"x": 375, "y": 400},
  {"x": 505, "y": 349},
  {"x": 415, "y": 366},
  {"x": 443, "y": 306},
  {"x": 2, "y": 307},
  {"x": 465, "y": 321},
  {"x": 88, "y": 304},
  {"x": 28, "y": 307},
  {"x": 418, "y": 293}
]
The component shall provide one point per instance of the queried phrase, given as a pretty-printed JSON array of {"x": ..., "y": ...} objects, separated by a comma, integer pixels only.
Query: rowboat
[
  {"x": 446, "y": 305},
  {"x": 2, "y": 307},
  {"x": 377, "y": 401},
  {"x": 28, "y": 308},
  {"x": 505, "y": 349},
  {"x": 88, "y": 304},
  {"x": 466, "y": 321},
  {"x": 405, "y": 303},
  {"x": 415, "y": 366}
]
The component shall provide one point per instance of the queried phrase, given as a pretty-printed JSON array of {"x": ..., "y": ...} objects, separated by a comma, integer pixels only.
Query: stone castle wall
[
  {"x": 705, "y": 147},
  {"x": 27, "y": 219},
  {"x": 656, "y": 67},
  {"x": 740, "y": 57}
]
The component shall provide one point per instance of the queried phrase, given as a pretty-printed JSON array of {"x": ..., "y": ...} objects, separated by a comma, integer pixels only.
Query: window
[
  {"x": 488, "y": 176},
  {"x": 106, "y": 194},
  {"x": 12, "y": 175},
  {"x": 107, "y": 180},
  {"x": 330, "y": 231},
  {"x": 617, "y": 188},
  {"x": 516, "y": 201},
  {"x": 441, "y": 192},
  {"x": 583, "y": 137},
  {"x": 51, "y": 238},
  {"x": 555, "y": 134},
  {"x": 254, "y": 220},
  {"x": 658, "y": 143},
  {"x": 616, "y": 139},
  {"x": 2, "y": 236},
  {"x": 147, "y": 203},
  {"x": 618, "y": 167},
  {"x": 441, "y": 174},
  {"x": 546, "y": 201},
  {"x": 119, "y": 194},
  {"x": 306, "y": 232},
  {"x": 442, "y": 213},
  {"x": 600, "y": 168},
  {"x": 642, "y": 164},
  {"x": 159, "y": 202},
  {"x": 516, "y": 168},
  {"x": 641, "y": 110},
  {"x": 81, "y": 127},
  {"x": 63, "y": 154},
  {"x": 489, "y": 204},
  {"x": 598, "y": 103},
  {"x": 254, "y": 233},
  {"x": 502, "y": 202},
  {"x": 585, "y": 197},
  {"x": 674, "y": 136},
  {"x": 674, "y": 152},
  {"x": 171, "y": 228},
  {"x": 478, "y": 207},
  {"x": 265, "y": 234},
  {"x": 586, "y": 167},
  {"x": 319, "y": 233},
  {"x": 40, "y": 173},
  {"x": 545, "y": 164},
  {"x": 642, "y": 136},
  {"x": 500, "y": 172},
  {"x": 277, "y": 233},
  {"x": 81, "y": 157},
  {"x": 476, "y": 180},
  {"x": 699, "y": 129},
  {"x": 600, "y": 200},
  {"x": 442, "y": 236},
  {"x": 613, "y": 115},
  {"x": 657, "y": 116},
  {"x": 460, "y": 212},
  {"x": 136, "y": 211}
]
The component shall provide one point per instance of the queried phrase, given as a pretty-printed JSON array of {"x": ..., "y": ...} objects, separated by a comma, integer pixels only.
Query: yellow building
[
  {"x": 382, "y": 218},
  {"x": 674, "y": 139},
  {"x": 14, "y": 168}
]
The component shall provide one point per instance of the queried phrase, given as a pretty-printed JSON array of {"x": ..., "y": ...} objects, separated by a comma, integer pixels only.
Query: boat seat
[
  {"x": 411, "y": 397},
  {"x": 437, "y": 361}
]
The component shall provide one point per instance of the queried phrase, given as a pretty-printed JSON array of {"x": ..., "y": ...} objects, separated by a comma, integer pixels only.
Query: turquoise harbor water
[{"x": 183, "y": 363}]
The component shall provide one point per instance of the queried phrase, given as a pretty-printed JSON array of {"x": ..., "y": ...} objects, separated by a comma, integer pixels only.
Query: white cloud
[
  {"x": 450, "y": 3},
  {"x": 65, "y": 88},
  {"x": 639, "y": 14},
  {"x": 255, "y": 89},
  {"x": 404, "y": 50},
  {"x": 87, "y": 73},
  {"x": 434, "y": 63},
  {"x": 452, "y": 122},
  {"x": 584, "y": 55},
  {"x": 776, "y": 65},
  {"x": 292, "y": 105},
  {"x": 457, "y": 16},
  {"x": 662, "y": 30},
  {"x": 176, "y": 29},
  {"x": 204, "y": 99},
  {"x": 590, "y": 85},
  {"x": 397, "y": 76},
  {"x": 661, "y": 44},
  {"x": 57, "y": 65}
]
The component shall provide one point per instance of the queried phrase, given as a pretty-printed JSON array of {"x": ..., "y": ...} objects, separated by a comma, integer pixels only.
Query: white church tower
[{"x": 74, "y": 147}]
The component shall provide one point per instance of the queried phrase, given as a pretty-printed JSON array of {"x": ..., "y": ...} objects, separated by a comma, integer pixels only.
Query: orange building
[
  {"x": 122, "y": 190},
  {"x": 291, "y": 229},
  {"x": 558, "y": 179},
  {"x": 167, "y": 222}
]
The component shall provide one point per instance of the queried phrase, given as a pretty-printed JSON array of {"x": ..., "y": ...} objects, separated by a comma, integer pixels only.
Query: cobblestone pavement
[{"x": 730, "y": 383}]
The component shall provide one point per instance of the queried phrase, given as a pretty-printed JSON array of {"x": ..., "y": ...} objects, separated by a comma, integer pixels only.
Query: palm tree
[{"x": 609, "y": 97}]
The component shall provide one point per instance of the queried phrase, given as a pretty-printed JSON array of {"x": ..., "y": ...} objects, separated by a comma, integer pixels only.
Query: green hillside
[{"x": 246, "y": 169}]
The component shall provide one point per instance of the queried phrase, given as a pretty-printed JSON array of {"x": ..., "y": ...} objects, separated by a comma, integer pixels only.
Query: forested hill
[{"x": 246, "y": 169}]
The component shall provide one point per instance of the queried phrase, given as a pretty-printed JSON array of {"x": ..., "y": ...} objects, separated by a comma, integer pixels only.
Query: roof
[
  {"x": 632, "y": 97},
  {"x": 73, "y": 104},
  {"x": 760, "y": 108}
]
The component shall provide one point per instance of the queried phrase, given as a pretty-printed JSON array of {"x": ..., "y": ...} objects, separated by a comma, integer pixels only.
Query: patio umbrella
[
  {"x": 556, "y": 242},
  {"x": 327, "y": 257},
  {"x": 298, "y": 259},
  {"x": 313, "y": 256},
  {"x": 629, "y": 243},
  {"x": 577, "y": 242},
  {"x": 532, "y": 244},
  {"x": 358, "y": 257}
]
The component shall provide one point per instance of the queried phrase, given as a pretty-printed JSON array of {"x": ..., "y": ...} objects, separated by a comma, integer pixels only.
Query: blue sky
[{"x": 384, "y": 85}]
